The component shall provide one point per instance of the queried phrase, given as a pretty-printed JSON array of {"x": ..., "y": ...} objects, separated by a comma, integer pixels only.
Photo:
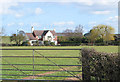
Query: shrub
[
  {"x": 46, "y": 43},
  {"x": 36, "y": 43},
  {"x": 100, "y": 65},
  {"x": 70, "y": 43},
  {"x": 52, "y": 44},
  {"x": 26, "y": 43}
]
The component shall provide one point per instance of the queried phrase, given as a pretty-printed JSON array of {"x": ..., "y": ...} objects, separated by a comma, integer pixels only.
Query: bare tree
[
  {"x": 68, "y": 32},
  {"x": 78, "y": 30},
  {"x": 2, "y": 31}
]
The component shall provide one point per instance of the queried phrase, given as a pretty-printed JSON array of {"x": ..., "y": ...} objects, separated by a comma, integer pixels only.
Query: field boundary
[{"x": 33, "y": 64}]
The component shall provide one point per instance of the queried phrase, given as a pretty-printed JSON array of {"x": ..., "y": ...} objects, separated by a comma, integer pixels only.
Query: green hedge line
[{"x": 100, "y": 66}]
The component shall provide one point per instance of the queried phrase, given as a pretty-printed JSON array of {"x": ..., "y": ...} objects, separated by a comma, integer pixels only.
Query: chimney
[
  {"x": 32, "y": 29},
  {"x": 53, "y": 29}
]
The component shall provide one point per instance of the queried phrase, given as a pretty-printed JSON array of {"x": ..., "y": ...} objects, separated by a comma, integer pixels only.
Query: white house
[{"x": 41, "y": 36}]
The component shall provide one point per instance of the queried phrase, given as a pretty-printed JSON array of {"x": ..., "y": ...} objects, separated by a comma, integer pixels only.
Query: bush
[
  {"x": 52, "y": 44},
  {"x": 70, "y": 43},
  {"x": 46, "y": 43},
  {"x": 36, "y": 43},
  {"x": 26, "y": 43},
  {"x": 101, "y": 66}
]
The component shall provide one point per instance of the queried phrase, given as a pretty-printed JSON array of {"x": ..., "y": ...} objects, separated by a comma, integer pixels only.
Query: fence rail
[
  {"x": 40, "y": 49},
  {"x": 41, "y": 64},
  {"x": 36, "y": 70},
  {"x": 37, "y": 57},
  {"x": 33, "y": 63}
]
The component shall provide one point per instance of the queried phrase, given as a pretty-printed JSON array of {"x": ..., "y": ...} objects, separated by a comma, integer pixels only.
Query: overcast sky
[{"x": 58, "y": 15}]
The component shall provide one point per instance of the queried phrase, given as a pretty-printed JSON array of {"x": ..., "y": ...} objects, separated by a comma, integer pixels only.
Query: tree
[
  {"x": 18, "y": 38},
  {"x": 78, "y": 30},
  {"x": 78, "y": 33},
  {"x": 104, "y": 32},
  {"x": 74, "y": 35},
  {"x": 2, "y": 31},
  {"x": 22, "y": 32},
  {"x": 68, "y": 32}
]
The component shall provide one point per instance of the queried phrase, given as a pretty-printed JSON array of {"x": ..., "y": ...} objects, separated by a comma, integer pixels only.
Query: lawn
[{"x": 59, "y": 61}]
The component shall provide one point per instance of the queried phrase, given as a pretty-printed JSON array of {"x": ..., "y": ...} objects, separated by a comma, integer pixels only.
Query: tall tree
[
  {"x": 2, "y": 31},
  {"x": 68, "y": 32},
  {"x": 74, "y": 35},
  {"x": 18, "y": 38},
  {"x": 101, "y": 31},
  {"x": 79, "y": 30}
]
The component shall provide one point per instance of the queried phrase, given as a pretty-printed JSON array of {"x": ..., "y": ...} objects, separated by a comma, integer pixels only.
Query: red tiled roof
[
  {"x": 53, "y": 32},
  {"x": 43, "y": 32},
  {"x": 38, "y": 32},
  {"x": 30, "y": 36}
]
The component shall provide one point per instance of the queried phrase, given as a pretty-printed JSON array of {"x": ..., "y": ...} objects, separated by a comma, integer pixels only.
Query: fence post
[
  {"x": 33, "y": 63},
  {"x": 85, "y": 66}
]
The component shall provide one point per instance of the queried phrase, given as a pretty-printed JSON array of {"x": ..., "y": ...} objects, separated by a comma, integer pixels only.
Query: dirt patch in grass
[
  {"x": 47, "y": 73},
  {"x": 74, "y": 78}
]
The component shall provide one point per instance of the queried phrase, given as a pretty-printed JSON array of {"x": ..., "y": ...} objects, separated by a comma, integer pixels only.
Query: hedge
[
  {"x": 70, "y": 43},
  {"x": 100, "y": 66}
]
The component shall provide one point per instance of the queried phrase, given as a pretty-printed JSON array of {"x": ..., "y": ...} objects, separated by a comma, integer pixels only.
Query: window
[
  {"x": 34, "y": 42},
  {"x": 49, "y": 38},
  {"x": 39, "y": 37}
]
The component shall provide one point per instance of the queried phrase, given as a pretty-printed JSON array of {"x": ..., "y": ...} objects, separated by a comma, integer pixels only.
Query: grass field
[{"x": 60, "y": 61}]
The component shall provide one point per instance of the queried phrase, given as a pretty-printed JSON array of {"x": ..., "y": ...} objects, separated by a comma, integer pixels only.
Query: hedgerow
[{"x": 100, "y": 66}]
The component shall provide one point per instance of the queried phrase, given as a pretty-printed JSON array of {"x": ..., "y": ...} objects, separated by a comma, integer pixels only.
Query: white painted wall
[
  {"x": 55, "y": 42},
  {"x": 31, "y": 42},
  {"x": 48, "y": 34},
  {"x": 45, "y": 38}
]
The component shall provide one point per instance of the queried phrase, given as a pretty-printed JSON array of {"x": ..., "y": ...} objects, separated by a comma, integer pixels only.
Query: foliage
[
  {"x": 18, "y": 38},
  {"x": 101, "y": 32},
  {"x": 69, "y": 43},
  {"x": 52, "y": 44},
  {"x": 102, "y": 66},
  {"x": 62, "y": 38},
  {"x": 46, "y": 43},
  {"x": 26, "y": 43},
  {"x": 36, "y": 43},
  {"x": 73, "y": 35},
  {"x": 85, "y": 40}
]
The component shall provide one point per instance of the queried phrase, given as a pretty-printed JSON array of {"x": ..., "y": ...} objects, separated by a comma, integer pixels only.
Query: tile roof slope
[
  {"x": 38, "y": 32},
  {"x": 30, "y": 36},
  {"x": 43, "y": 32},
  {"x": 53, "y": 32}
]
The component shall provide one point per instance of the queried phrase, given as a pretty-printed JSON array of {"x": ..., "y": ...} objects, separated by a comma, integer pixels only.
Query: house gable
[
  {"x": 48, "y": 36},
  {"x": 42, "y": 35}
]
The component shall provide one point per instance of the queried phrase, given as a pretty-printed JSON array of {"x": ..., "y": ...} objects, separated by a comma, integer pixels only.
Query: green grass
[
  {"x": 6, "y": 40},
  {"x": 70, "y": 61},
  {"x": 109, "y": 49}
]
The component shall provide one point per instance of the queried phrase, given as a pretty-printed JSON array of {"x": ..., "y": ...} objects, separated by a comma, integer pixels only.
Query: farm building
[{"x": 41, "y": 36}]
